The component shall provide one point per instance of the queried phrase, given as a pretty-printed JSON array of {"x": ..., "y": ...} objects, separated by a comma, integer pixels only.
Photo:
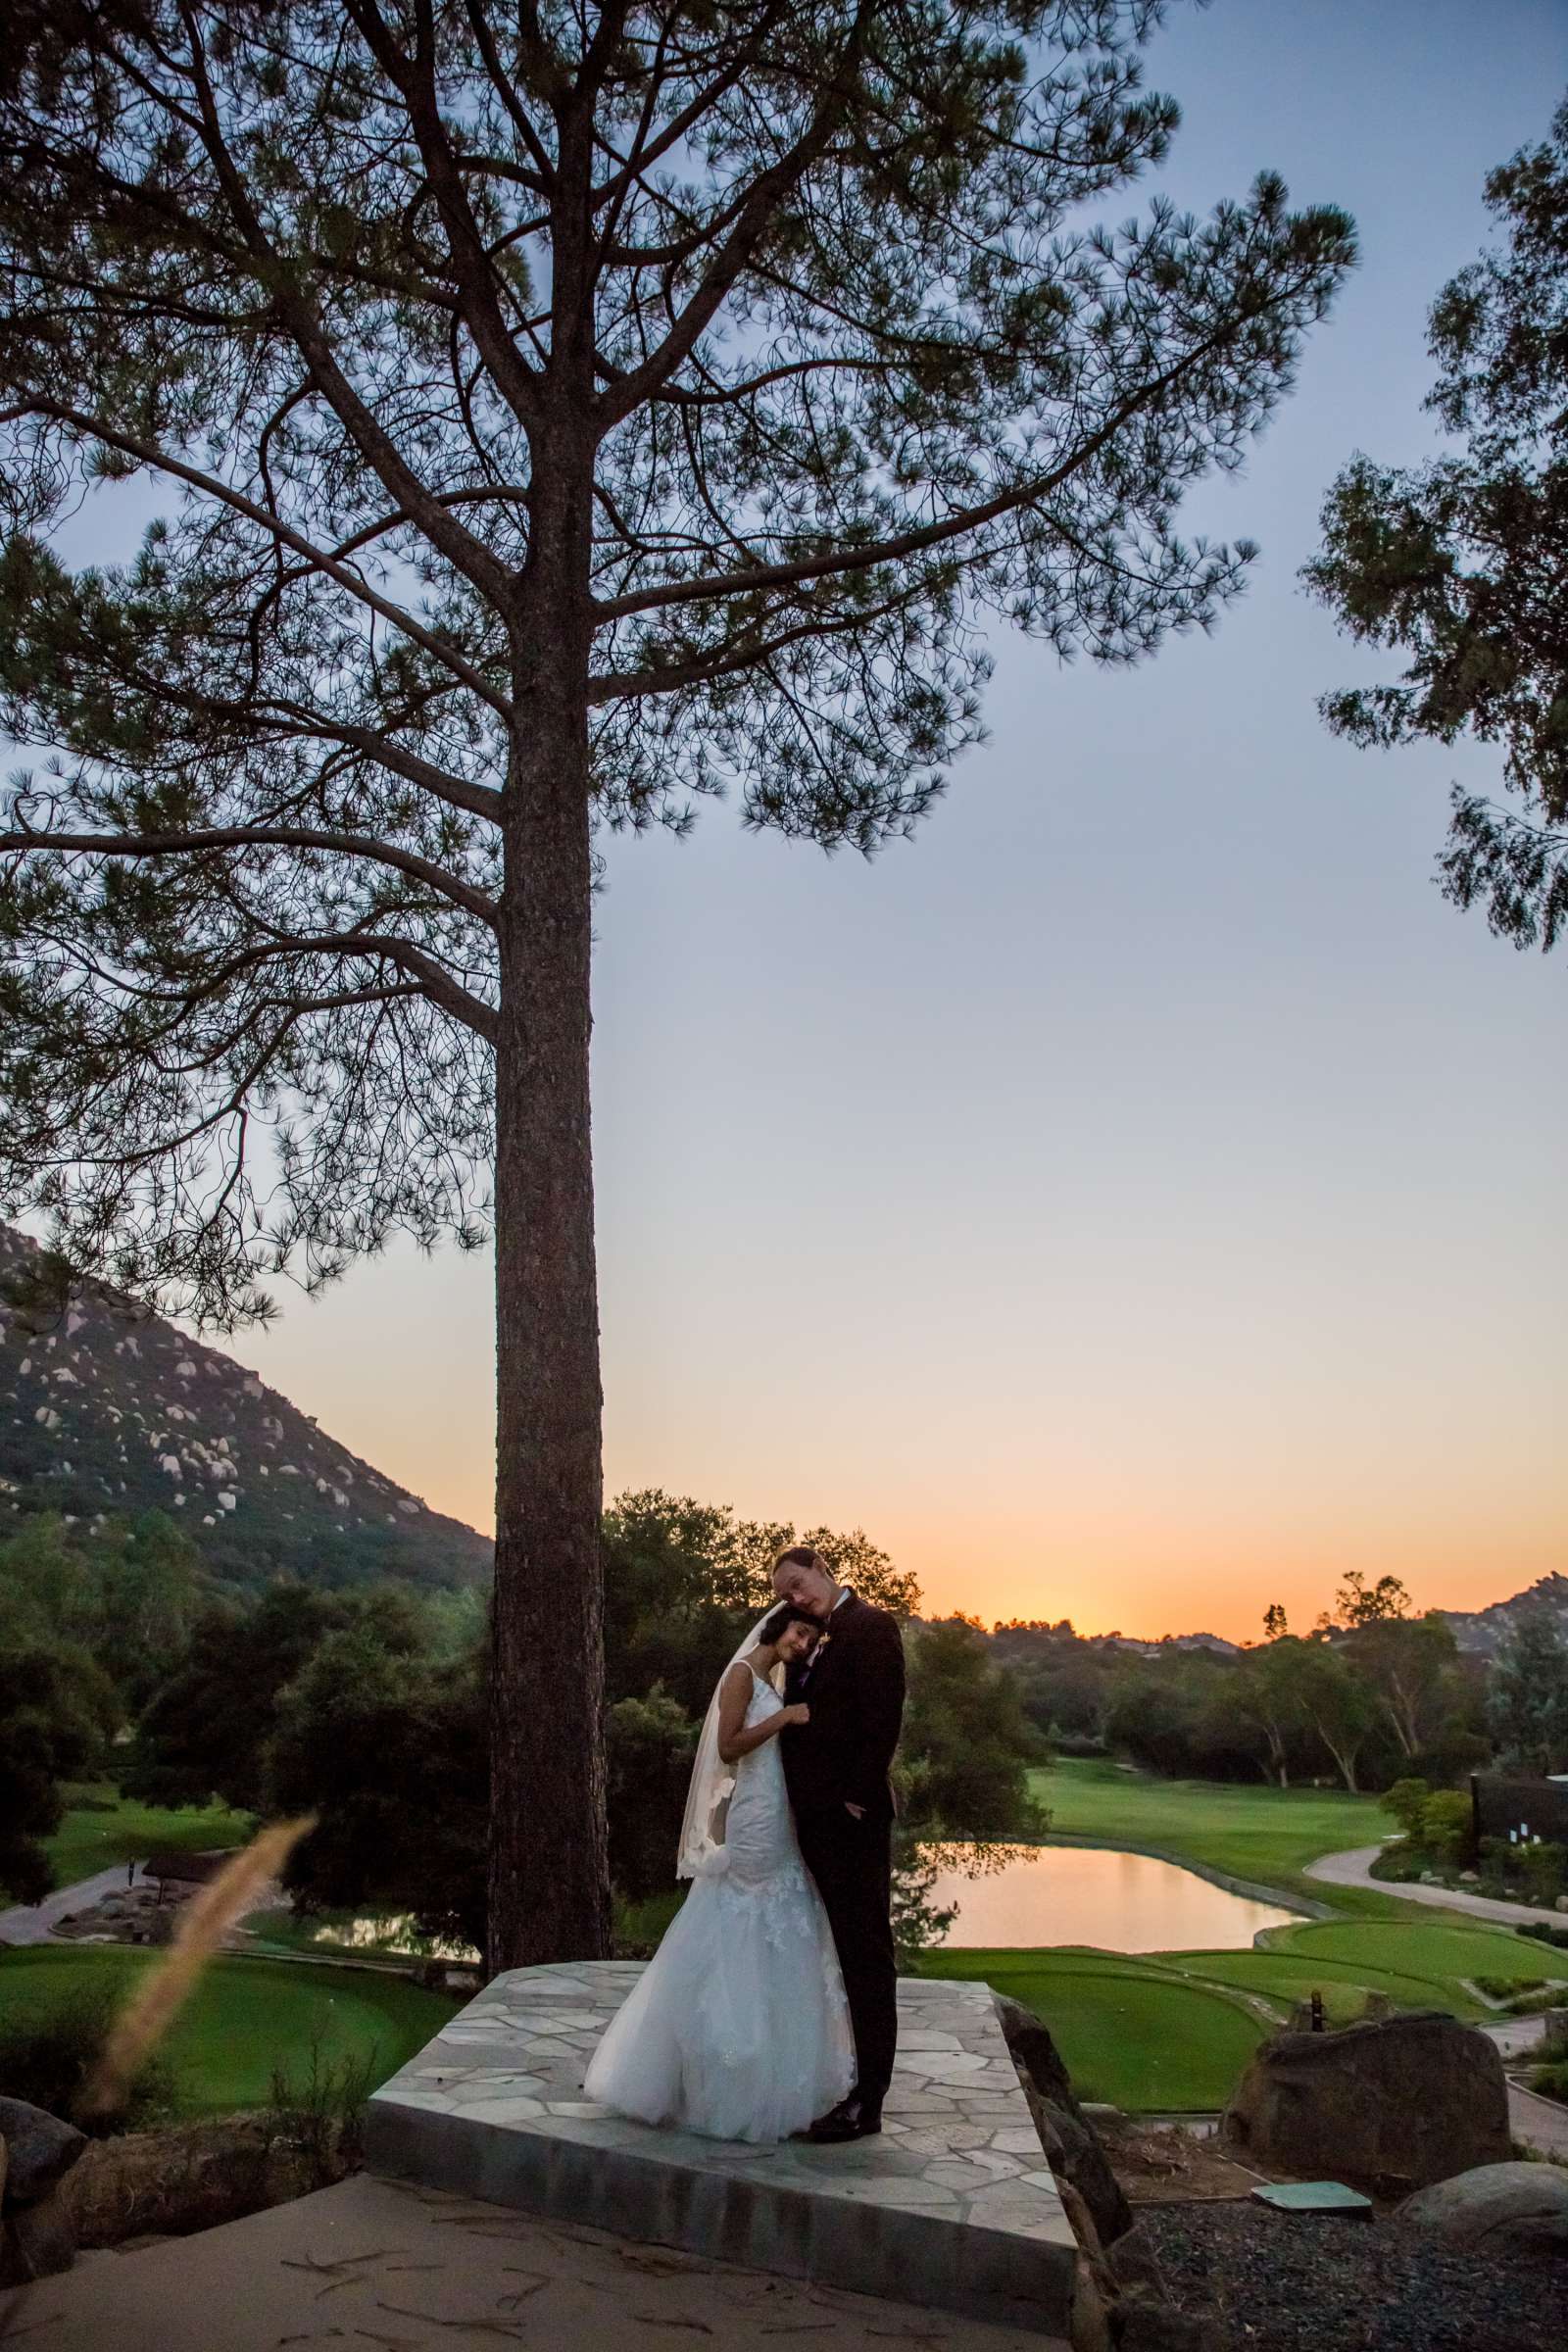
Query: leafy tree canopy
[
  {"x": 558, "y": 415},
  {"x": 1462, "y": 563},
  {"x": 725, "y": 368}
]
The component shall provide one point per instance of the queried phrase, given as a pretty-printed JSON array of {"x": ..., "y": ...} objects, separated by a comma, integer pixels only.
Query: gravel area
[{"x": 1291, "y": 2282}]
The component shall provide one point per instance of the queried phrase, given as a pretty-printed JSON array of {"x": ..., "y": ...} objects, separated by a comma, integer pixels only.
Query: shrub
[
  {"x": 1540, "y": 1930},
  {"x": 1551, "y": 2080},
  {"x": 1407, "y": 1801},
  {"x": 322, "y": 2111},
  {"x": 1445, "y": 1821},
  {"x": 48, "y": 2059},
  {"x": 1543, "y": 1868}
]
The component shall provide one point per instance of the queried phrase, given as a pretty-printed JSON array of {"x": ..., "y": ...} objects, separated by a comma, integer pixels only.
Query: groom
[{"x": 836, "y": 1766}]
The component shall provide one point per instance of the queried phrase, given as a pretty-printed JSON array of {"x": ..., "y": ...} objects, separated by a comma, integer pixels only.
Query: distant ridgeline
[
  {"x": 106, "y": 1409},
  {"x": 1483, "y": 1630}
]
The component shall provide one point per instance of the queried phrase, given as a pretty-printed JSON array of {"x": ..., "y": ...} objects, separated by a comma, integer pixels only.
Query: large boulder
[
  {"x": 1388, "y": 2107},
  {"x": 39, "y": 2151},
  {"x": 1521, "y": 2205},
  {"x": 1070, "y": 2141}
]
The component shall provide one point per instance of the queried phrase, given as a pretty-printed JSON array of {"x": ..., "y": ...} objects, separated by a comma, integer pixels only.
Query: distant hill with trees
[{"x": 108, "y": 1411}]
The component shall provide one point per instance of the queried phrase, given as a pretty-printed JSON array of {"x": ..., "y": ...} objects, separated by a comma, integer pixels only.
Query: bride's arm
[{"x": 734, "y": 1698}]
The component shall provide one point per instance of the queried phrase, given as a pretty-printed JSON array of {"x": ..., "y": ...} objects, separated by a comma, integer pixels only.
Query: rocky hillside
[
  {"x": 105, "y": 1408},
  {"x": 1482, "y": 1630}
]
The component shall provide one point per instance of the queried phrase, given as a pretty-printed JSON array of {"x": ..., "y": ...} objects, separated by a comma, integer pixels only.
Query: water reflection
[
  {"x": 1044, "y": 1894},
  {"x": 393, "y": 1933}
]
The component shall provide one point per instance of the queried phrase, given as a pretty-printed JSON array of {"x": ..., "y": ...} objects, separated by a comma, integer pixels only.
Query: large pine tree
[{"x": 563, "y": 412}]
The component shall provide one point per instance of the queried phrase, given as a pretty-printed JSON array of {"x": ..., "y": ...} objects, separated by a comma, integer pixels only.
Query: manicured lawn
[
  {"x": 1284, "y": 1976},
  {"x": 87, "y": 1841},
  {"x": 1433, "y": 1952},
  {"x": 1250, "y": 1831},
  {"x": 245, "y": 2018},
  {"x": 1130, "y": 2031}
]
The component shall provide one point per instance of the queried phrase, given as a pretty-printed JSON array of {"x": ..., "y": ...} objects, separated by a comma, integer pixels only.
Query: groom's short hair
[{"x": 801, "y": 1555}]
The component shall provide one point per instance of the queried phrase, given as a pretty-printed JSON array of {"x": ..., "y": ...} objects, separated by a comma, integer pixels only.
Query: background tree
[
  {"x": 53, "y": 1710},
  {"x": 1528, "y": 1701},
  {"x": 1462, "y": 563},
  {"x": 204, "y": 1732},
  {"x": 1270, "y": 1693},
  {"x": 1338, "y": 1705},
  {"x": 1361, "y": 1603},
  {"x": 560, "y": 414},
  {"x": 651, "y": 1742},
  {"x": 967, "y": 1745},
  {"x": 388, "y": 1746}
]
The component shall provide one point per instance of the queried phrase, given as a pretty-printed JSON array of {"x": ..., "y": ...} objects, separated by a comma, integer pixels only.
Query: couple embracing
[{"x": 769, "y": 2010}]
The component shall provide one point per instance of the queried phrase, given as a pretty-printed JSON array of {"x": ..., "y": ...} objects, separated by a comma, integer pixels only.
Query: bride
[{"x": 738, "y": 2027}]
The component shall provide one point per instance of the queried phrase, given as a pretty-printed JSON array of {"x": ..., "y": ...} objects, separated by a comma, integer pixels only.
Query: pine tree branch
[
  {"x": 245, "y": 837},
  {"x": 468, "y": 555},
  {"x": 920, "y": 537},
  {"x": 415, "y": 81},
  {"x": 163, "y": 460},
  {"x": 750, "y": 215}
]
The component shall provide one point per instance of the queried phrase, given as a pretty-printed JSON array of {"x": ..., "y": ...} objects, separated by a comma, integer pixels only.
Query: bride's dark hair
[{"x": 778, "y": 1621}]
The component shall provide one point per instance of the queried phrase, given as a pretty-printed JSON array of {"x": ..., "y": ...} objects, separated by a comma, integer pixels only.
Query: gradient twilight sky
[{"x": 1139, "y": 1200}]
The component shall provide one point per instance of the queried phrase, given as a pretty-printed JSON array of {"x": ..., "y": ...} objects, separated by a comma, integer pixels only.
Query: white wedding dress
[{"x": 738, "y": 2027}]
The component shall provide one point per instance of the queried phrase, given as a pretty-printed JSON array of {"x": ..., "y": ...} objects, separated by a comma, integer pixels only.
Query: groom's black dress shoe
[{"x": 849, "y": 2120}]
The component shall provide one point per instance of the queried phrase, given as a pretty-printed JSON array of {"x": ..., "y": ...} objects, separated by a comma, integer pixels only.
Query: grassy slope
[
  {"x": 245, "y": 2018},
  {"x": 87, "y": 1841}
]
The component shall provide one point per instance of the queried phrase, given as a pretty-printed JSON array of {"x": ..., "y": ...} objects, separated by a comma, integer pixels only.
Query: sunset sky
[{"x": 1139, "y": 1200}]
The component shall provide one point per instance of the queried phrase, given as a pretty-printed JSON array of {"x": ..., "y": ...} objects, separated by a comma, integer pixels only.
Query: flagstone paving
[{"x": 954, "y": 2207}]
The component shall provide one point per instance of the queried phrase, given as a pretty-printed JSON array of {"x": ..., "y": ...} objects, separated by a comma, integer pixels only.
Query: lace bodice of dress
[{"x": 760, "y": 1833}]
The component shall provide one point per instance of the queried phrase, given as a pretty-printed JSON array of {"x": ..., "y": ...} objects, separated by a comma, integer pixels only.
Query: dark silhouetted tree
[
  {"x": 1462, "y": 563},
  {"x": 558, "y": 414}
]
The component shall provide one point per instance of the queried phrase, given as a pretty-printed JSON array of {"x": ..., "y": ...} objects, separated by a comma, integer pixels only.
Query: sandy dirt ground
[{"x": 376, "y": 2263}]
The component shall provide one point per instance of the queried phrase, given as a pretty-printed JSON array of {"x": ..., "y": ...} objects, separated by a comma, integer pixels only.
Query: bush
[
  {"x": 1407, "y": 1801},
  {"x": 649, "y": 1742},
  {"x": 48, "y": 2060},
  {"x": 1446, "y": 1823},
  {"x": 1539, "y": 1931},
  {"x": 323, "y": 2112},
  {"x": 1552, "y": 2082},
  {"x": 1543, "y": 1868}
]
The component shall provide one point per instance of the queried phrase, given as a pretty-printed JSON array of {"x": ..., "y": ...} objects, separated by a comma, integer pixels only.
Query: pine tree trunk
[{"x": 549, "y": 1868}]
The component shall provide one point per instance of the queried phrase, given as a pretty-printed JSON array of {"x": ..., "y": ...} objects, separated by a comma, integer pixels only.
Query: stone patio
[{"x": 954, "y": 2207}]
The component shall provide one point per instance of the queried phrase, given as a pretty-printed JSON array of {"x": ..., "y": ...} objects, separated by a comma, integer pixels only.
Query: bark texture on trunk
[{"x": 549, "y": 1864}]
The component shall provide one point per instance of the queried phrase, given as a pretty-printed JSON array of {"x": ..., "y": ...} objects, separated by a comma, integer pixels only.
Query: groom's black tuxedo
[{"x": 853, "y": 1685}]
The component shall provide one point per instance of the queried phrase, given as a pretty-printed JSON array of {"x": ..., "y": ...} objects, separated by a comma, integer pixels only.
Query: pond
[{"x": 1043, "y": 1894}]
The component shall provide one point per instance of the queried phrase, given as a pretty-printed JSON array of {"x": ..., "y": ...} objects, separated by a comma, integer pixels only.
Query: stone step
[{"x": 954, "y": 2207}]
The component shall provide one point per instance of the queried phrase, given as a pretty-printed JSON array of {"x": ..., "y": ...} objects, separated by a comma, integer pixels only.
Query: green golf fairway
[
  {"x": 1266, "y": 1834},
  {"x": 1286, "y": 1977},
  {"x": 245, "y": 2019},
  {"x": 1138, "y": 2034},
  {"x": 86, "y": 1842},
  {"x": 1439, "y": 1955}
]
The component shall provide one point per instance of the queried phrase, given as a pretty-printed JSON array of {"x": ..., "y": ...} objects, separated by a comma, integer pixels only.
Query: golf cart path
[
  {"x": 1354, "y": 1869},
  {"x": 35, "y": 1922}
]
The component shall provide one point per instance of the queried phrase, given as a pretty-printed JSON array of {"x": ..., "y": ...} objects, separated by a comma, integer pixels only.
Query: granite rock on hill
[{"x": 107, "y": 1410}]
